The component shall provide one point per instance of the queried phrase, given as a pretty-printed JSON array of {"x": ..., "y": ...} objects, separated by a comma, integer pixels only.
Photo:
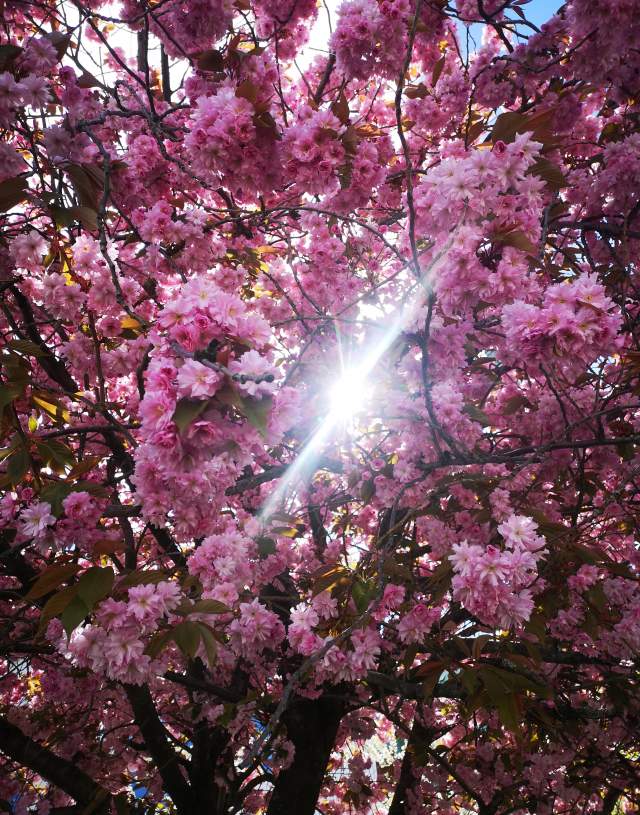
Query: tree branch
[
  {"x": 161, "y": 752},
  {"x": 64, "y": 774}
]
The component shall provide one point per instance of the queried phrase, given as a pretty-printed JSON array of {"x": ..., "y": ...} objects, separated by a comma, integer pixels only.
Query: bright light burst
[
  {"x": 352, "y": 391},
  {"x": 349, "y": 395}
]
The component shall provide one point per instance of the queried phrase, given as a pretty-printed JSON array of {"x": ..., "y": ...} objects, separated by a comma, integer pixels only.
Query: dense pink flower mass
[{"x": 319, "y": 379}]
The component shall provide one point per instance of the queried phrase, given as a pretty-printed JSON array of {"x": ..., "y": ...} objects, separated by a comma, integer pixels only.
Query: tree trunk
[
  {"x": 409, "y": 771},
  {"x": 312, "y": 726},
  {"x": 58, "y": 771}
]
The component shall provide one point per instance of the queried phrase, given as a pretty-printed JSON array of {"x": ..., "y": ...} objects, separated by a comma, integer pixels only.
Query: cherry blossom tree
[{"x": 319, "y": 379}]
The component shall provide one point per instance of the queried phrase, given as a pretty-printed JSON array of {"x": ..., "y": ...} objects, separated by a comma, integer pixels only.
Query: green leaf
[
  {"x": 517, "y": 239},
  {"x": 514, "y": 404},
  {"x": 510, "y": 681},
  {"x": 186, "y": 411},
  {"x": 507, "y": 707},
  {"x": 437, "y": 70},
  {"x": 8, "y": 53},
  {"x": 597, "y": 598},
  {"x": 50, "y": 406},
  {"x": 549, "y": 173},
  {"x": 8, "y": 393},
  {"x": 18, "y": 465},
  {"x": 158, "y": 643},
  {"x": 59, "y": 41},
  {"x": 626, "y": 450},
  {"x": 210, "y": 61},
  {"x": 95, "y": 584},
  {"x": 17, "y": 370},
  {"x": 210, "y": 645},
  {"x": 12, "y": 192},
  {"x": 74, "y": 614},
  {"x": 469, "y": 679},
  {"x": 27, "y": 347},
  {"x": 510, "y": 123},
  {"x": 362, "y": 593},
  {"x": 410, "y": 655},
  {"x": 65, "y": 216},
  {"x": 83, "y": 466},
  {"x": 476, "y": 415},
  {"x": 328, "y": 577},
  {"x": 54, "y": 452},
  {"x": 288, "y": 531},
  {"x": 121, "y": 804},
  {"x": 87, "y": 216},
  {"x": 367, "y": 490},
  {"x": 187, "y": 637},
  {"x": 266, "y": 546},
  {"x": 51, "y": 578},
  {"x": 257, "y": 412},
  {"x": 57, "y": 603},
  {"x": 86, "y": 186},
  {"x": 340, "y": 108},
  {"x": 210, "y": 607},
  {"x": 87, "y": 80},
  {"x": 430, "y": 682},
  {"x": 54, "y": 494},
  {"x": 142, "y": 578},
  {"x": 478, "y": 644}
]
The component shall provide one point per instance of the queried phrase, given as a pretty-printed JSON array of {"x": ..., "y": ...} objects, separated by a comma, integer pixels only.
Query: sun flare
[{"x": 348, "y": 396}]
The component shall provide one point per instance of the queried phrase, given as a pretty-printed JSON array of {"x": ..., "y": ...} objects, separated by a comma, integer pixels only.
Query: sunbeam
[{"x": 353, "y": 390}]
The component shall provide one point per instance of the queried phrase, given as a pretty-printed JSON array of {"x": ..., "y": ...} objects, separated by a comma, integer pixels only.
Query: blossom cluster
[
  {"x": 498, "y": 585},
  {"x": 114, "y": 645},
  {"x": 319, "y": 406}
]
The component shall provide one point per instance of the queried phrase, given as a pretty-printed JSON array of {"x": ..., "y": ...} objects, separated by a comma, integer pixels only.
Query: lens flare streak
[{"x": 350, "y": 393}]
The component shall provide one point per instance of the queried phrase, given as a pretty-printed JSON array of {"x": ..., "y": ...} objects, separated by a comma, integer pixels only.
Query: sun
[{"x": 348, "y": 396}]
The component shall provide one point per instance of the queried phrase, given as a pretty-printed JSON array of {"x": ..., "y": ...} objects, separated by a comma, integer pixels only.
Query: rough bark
[
  {"x": 312, "y": 726},
  {"x": 409, "y": 770},
  {"x": 159, "y": 748},
  {"x": 58, "y": 771}
]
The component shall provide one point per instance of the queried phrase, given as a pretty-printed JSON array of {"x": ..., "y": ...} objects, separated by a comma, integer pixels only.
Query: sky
[
  {"x": 540, "y": 10},
  {"x": 537, "y": 11}
]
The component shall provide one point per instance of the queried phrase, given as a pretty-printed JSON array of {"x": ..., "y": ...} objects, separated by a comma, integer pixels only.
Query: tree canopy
[{"x": 319, "y": 407}]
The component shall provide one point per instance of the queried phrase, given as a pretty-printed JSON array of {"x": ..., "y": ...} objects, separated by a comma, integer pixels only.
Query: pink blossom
[
  {"x": 196, "y": 380},
  {"x": 78, "y": 505},
  {"x": 35, "y": 519}
]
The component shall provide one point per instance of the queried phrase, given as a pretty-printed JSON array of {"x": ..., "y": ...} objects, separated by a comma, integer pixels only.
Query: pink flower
[
  {"x": 167, "y": 595},
  {"x": 11, "y": 162},
  {"x": 112, "y": 613},
  {"x": 518, "y": 530},
  {"x": 144, "y": 603},
  {"x": 393, "y": 595},
  {"x": 491, "y": 566},
  {"x": 35, "y": 519},
  {"x": 301, "y": 636},
  {"x": 464, "y": 557},
  {"x": 256, "y": 628},
  {"x": 156, "y": 411},
  {"x": 28, "y": 249},
  {"x": 415, "y": 625},
  {"x": 197, "y": 381},
  {"x": 77, "y": 505},
  {"x": 9, "y": 91},
  {"x": 35, "y": 91},
  {"x": 39, "y": 55}
]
